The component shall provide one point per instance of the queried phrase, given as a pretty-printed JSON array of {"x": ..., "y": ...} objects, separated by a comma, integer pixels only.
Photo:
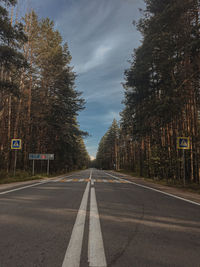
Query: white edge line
[
  {"x": 24, "y": 187},
  {"x": 32, "y": 185},
  {"x": 156, "y": 190}
]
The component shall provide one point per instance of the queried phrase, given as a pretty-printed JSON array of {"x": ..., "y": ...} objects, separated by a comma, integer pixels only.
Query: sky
[{"x": 101, "y": 40}]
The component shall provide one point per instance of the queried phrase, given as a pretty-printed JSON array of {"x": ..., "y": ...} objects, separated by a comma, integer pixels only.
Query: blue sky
[{"x": 101, "y": 40}]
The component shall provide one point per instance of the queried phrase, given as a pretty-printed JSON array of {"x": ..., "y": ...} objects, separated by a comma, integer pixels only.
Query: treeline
[
  {"x": 38, "y": 100},
  {"x": 162, "y": 100}
]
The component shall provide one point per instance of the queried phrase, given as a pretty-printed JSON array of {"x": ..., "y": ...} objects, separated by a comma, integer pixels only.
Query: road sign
[
  {"x": 47, "y": 157},
  {"x": 41, "y": 156},
  {"x": 183, "y": 142},
  {"x": 16, "y": 144}
]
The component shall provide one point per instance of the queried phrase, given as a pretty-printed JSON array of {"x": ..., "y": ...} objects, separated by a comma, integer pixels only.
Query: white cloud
[
  {"x": 105, "y": 118},
  {"x": 113, "y": 94},
  {"x": 98, "y": 58},
  {"x": 101, "y": 39}
]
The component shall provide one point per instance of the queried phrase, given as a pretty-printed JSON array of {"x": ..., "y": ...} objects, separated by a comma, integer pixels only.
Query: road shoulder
[
  {"x": 24, "y": 183},
  {"x": 171, "y": 190}
]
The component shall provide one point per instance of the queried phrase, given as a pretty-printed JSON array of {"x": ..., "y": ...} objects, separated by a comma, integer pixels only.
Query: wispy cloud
[
  {"x": 101, "y": 39},
  {"x": 98, "y": 58}
]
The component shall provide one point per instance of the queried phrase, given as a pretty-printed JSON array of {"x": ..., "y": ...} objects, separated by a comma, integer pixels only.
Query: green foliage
[
  {"x": 107, "y": 151},
  {"x": 12, "y": 60},
  {"x": 161, "y": 92},
  {"x": 39, "y": 104},
  {"x": 161, "y": 95}
]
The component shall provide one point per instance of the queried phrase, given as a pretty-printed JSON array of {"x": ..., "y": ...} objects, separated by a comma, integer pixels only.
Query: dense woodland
[
  {"x": 38, "y": 100},
  {"x": 162, "y": 99}
]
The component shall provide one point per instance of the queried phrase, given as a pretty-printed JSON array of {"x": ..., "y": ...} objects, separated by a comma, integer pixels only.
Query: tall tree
[
  {"x": 108, "y": 150},
  {"x": 44, "y": 115},
  {"x": 161, "y": 98},
  {"x": 12, "y": 64}
]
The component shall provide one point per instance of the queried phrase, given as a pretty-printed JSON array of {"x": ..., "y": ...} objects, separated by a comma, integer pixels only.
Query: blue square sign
[
  {"x": 183, "y": 143},
  {"x": 16, "y": 144}
]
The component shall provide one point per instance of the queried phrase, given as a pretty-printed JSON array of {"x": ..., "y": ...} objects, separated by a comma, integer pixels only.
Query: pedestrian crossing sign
[
  {"x": 183, "y": 142},
  {"x": 16, "y": 144}
]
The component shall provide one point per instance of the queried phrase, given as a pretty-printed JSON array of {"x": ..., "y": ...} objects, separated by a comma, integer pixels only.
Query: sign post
[
  {"x": 33, "y": 170},
  {"x": 48, "y": 167},
  {"x": 184, "y": 167},
  {"x": 15, "y": 162},
  {"x": 47, "y": 157},
  {"x": 183, "y": 143},
  {"x": 16, "y": 144}
]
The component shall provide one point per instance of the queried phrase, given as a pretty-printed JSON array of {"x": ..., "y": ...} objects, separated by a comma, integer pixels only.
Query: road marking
[
  {"x": 65, "y": 180},
  {"x": 73, "y": 253},
  {"x": 24, "y": 187},
  {"x": 94, "y": 180},
  {"x": 159, "y": 191},
  {"x": 90, "y": 175},
  {"x": 61, "y": 178},
  {"x": 96, "y": 254},
  {"x": 32, "y": 185},
  {"x": 113, "y": 176}
]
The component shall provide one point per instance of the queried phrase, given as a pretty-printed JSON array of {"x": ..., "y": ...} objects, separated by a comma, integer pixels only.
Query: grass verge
[{"x": 23, "y": 176}]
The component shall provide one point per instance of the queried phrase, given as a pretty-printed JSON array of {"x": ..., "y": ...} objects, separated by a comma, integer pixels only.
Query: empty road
[{"x": 97, "y": 219}]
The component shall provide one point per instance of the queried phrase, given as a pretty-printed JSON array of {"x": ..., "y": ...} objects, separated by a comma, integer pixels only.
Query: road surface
[{"x": 94, "y": 218}]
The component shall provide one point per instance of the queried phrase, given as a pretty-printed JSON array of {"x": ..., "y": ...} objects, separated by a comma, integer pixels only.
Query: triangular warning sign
[{"x": 183, "y": 143}]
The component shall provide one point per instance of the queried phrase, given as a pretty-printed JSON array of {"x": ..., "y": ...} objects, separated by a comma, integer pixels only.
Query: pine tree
[
  {"x": 161, "y": 97},
  {"x": 45, "y": 106},
  {"x": 12, "y": 64},
  {"x": 108, "y": 150}
]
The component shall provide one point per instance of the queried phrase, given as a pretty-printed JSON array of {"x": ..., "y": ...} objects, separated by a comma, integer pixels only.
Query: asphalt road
[{"x": 94, "y": 219}]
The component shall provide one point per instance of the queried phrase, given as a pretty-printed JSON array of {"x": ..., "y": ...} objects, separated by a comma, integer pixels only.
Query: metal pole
[
  {"x": 184, "y": 167},
  {"x": 48, "y": 168},
  {"x": 15, "y": 162},
  {"x": 33, "y": 171}
]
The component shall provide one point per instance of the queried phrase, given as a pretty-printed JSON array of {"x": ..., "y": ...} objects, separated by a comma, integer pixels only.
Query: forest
[
  {"x": 38, "y": 100},
  {"x": 161, "y": 97}
]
